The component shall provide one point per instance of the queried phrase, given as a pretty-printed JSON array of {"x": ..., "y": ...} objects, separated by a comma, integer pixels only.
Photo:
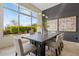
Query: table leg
[{"x": 41, "y": 49}]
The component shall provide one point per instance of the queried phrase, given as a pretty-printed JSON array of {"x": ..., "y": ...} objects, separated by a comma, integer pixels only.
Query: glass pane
[
  {"x": 34, "y": 20},
  {"x": 34, "y": 24},
  {"x": 25, "y": 24},
  {"x": 34, "y": 14},
  {"x": 25, "y": 20},
  {"x": 10, "y": 20},
  {"x": 11, "y": 6},
  {"x": 25, "y": 10}
]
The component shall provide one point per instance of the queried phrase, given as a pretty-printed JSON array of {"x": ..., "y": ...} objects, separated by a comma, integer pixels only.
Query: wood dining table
[{"x": 39, "y": 40}]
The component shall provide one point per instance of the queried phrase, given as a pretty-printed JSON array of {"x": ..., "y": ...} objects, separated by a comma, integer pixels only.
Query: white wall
[
  {"x": 1, "y": 21},
  {"x": 4, "y": 41}
]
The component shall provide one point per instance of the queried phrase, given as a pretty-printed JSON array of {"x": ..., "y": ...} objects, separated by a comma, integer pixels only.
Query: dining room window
[
  {"x": 10, "y": 21},
  {"x": 11, "y": 6},
  {"x": 24, "y": 10},
  {"x": 18, "y": 19},
  {"x": 34, "y": 14},
  {"x": 28, "y": 19},
  {"x": 25, "y": 24}
]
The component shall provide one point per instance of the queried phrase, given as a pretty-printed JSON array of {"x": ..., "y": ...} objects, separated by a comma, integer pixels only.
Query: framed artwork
[{"x": 67, "y": 24}]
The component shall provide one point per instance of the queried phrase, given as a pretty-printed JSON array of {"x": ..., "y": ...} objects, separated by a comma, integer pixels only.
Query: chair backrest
[
  {"x": 62, "y": 37},
  {"x": 19, "y": 47},
  {"x": 59, "y": 38}
]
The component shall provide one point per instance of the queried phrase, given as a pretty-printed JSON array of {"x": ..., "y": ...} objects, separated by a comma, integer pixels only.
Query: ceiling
[{"x": 43, "y": 6}]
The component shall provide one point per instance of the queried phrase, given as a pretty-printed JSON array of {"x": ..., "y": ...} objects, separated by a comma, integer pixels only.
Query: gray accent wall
[{"x": 65, "y": 10}]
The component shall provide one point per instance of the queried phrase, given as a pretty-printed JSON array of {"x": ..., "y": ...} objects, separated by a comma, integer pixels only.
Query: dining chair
[
  {"x": 25, "y": 41},
  {"x": 55, "y": 45},
  {"x": 23, "y": 49}
]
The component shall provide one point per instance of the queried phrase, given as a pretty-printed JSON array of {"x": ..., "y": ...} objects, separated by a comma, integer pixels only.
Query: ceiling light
[
  {"x": 43, "y": 14},
  {"x": 46, "y": 16},
  {"x": 39, "y": 13}
]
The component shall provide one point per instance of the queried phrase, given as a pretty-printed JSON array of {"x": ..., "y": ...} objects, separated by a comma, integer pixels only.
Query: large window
[
  {"x": 67, "y": 24},
  {"x": 11, "y": 6},
  {"x": 18, "y": 19},
  {"x": 25, "y": 10},
  {"x": 34, "y": 20},
  {"x": 34, "y": 14},
  {"x": 10, "y": 21},
  {"x": 25, "y": 20},
  {"x": 10, "y": 18},
  {"x": 52, "y": 25}
]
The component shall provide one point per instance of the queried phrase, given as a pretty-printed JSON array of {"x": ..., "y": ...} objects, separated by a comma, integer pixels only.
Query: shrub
[
  {"x": 34, "y": 29},
  {"x": 22, "y": 29},
  {"x": 14, "y": 29},
  {"x": 6, "y": 32}
]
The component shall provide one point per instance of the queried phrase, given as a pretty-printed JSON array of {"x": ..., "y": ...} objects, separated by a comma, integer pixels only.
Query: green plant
[
  {"x": 14, "y": 29},
  {"x": 20, "y": 29}
]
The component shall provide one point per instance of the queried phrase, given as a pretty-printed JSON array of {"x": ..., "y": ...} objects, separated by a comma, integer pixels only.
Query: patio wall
[{"x": 65, "y": 10}]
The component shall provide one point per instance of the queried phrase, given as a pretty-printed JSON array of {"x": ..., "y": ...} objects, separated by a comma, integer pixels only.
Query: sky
[{"x": 11, "y": 15}]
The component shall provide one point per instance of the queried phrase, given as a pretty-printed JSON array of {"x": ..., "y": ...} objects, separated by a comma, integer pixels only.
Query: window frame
[{"x": 18, "y": 12}]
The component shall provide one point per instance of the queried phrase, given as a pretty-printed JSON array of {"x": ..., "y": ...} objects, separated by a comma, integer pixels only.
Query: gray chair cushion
[
  {"x": 52, "y": 44},
  {"x": 25, "y": 40},
  {"x": 28, "y": 48}
]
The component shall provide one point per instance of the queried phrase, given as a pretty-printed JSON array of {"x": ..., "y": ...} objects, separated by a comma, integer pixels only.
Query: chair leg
[
  {"x": 15, "y": 54},
  {"x": 48, "y": 47},
  {"x": 56, "y": 51},
  {"x": 51, "y": 50},
  {"x": 59, "y": 50},
  {"x": 29, "y": 53},
  {"x": 61, "y": 46}
]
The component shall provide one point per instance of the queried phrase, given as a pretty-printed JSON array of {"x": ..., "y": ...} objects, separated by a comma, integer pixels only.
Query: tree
[{"x": 14, "y": 22}]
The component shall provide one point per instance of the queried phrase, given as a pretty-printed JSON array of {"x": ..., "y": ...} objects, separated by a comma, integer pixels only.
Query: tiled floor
[
  {"x": 70, "y": 49},
  {"x": 9, "y": 51}
]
